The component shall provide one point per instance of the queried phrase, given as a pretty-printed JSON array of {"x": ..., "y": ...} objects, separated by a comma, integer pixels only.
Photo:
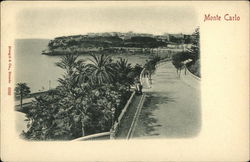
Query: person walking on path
[{"x": 140, "y": 87}]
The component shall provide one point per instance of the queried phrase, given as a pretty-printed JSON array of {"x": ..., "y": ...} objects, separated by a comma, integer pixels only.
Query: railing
[
  {"x": 115, "y": 128},
  {"x": 113, "y": 132},
  {"x": 191, "y": 74},
  {"x": 24, "y": 105},
  {"x": 104, "y": 135},
  {"x": 142, "y": 74},
  {"x": 135, "y": 119},
  {"x": 31, "y": 95}
]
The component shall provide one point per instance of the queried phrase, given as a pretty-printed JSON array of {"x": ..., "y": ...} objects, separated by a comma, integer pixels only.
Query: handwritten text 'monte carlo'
[{"x": 225, "y": 17}]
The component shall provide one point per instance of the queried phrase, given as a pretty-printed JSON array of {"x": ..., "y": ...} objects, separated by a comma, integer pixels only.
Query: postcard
[{"x": 124, "y": 81}]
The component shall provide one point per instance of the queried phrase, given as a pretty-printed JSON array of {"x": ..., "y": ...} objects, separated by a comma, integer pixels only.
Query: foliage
[
  {"x": 68, "y": 63},
  {"x": 88, "y": 99},
  {"x": 81, "y": 41},
  {"x": 102, "y": 71},
  {"x": 113, "y": 43},
  {"x": 124, "y": 72},
  {"x": 196, "y": 44},
  {"x": 150, "y": 65},
  {"x": 143, "y": 42},
  {"x": 137, "y": 69},
  {"x": 195, "y": 68},
  {"x": 175, "y": 39},
  {"x": 47, "y": 119},
  {"x": 178, "y": 59},
  {"x": 21, "y": 90}
]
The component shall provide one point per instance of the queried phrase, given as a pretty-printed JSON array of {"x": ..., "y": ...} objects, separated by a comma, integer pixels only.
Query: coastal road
[
  {"x": 171, "y": 108},
  {"x": 25, "y": 101},
  {"x": 26, "y": 104}
]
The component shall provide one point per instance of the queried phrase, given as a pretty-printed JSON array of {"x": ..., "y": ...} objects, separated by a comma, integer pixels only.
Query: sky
[{"x": 50, "y": 22}]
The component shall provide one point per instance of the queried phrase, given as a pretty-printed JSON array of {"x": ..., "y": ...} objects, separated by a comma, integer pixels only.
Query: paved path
[
  {"x": 25, "y": 101},
  {"x": 30, "y": 98},
  {"x": 171, "y": 108}
]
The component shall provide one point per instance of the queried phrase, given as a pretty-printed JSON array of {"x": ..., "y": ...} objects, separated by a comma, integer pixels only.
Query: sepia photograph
[
  {"x": 124, "y": 81},
  {"x": 101, "y": 75}
]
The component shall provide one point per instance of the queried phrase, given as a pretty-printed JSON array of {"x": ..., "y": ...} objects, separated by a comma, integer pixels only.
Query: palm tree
[
  {"x": 124, "y": 72},
  {"x": 122, "y": 65},
  {"x": 74, "y": 86},
  {"x": 101, "y": 69},
  {"x": 68, "y": 63},
  {"x": 82, "y": 73},
  {"x": 22, "y": 89}
]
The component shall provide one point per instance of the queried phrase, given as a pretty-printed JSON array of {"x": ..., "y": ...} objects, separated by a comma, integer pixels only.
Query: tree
[
  {"x": 62, "y": 113},
  {"x": 137, "y": 70},
  {"x": 194, "y": 66},
  {"x": 124, "y": 73},
  {"x": 101, "y": 69},
  {"x": 177, "y": 60},
  {"x": 44, "y": 119},
  {"x": 68, "y": 63},
  {"x": 74, "y": 108},
  {"x": 22, "y": 90},
  {"x": 74, "y": 85},
  {"x": 150, "y": 65},
  {"x": 82, "y": 72},
  {"x": 195, "y": 49},
  {"x": 82, "y": 104}
]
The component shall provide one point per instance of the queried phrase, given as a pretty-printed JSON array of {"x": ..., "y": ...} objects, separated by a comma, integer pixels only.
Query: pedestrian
[
  {"x": 140, "y": 87},
  {"x": 136, "y": 86}
]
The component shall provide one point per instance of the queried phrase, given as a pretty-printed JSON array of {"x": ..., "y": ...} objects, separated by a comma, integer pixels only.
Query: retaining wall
[
  {"x": 194, "y": 76},
  {"x": 116, "y": 126}
]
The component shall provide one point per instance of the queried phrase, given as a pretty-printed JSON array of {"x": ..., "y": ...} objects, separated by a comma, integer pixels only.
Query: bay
[{"x": 39, "y": 71}]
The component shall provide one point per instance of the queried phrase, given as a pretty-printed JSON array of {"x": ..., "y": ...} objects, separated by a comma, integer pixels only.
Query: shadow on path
[
  {"x": 147, "y": 123},
  {"x": 161, "y": 118},
  {"x": 172, "y": 108}
]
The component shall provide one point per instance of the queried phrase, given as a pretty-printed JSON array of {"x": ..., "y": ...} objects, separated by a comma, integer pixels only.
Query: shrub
[{"x": 195, "y": 68}]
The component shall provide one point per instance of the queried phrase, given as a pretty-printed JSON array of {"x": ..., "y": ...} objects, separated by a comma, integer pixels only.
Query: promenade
[{"x": 171, "y": 108}]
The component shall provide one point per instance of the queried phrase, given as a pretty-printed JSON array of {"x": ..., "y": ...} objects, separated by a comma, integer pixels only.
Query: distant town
[
  {"x": 116, "y": 42},
  {"x": 101, "y": 93}
]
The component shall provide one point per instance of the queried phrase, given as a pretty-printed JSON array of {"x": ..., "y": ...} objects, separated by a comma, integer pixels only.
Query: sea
[{"x": 40, "y": 72}]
